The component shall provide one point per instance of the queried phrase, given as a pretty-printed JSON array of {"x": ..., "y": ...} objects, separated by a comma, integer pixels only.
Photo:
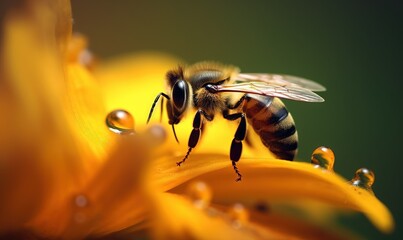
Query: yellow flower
[{"x": 65, "y": 175}]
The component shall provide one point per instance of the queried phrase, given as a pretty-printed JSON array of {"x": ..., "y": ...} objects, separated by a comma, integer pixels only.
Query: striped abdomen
[{"x": 273, "y": 123}]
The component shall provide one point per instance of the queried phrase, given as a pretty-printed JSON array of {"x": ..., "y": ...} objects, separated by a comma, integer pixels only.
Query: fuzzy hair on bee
[{"x": 252, "y": 98}]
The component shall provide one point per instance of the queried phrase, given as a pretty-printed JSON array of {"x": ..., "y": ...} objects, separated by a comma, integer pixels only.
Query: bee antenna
[
  {"x": 176, "y": 137},
  {"x": 162, "y": 109},
  {"x": 155, "y": 102},
  {"x": 150, "y": 114}
]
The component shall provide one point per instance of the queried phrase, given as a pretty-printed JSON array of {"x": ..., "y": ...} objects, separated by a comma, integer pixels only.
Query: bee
[{"x": 254, "y": 98}]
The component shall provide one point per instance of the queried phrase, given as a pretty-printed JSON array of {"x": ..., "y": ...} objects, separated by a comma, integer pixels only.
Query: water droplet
[
  {"x": 363, "y": 178},
  {"x": 81, "y": 204},
  {"x": 81, "y": 201},
  {"x": 87, "y": 59},
  {"x": 323, "y": 157},
  {"x": 120, "y": 121},
  {"x": 157, "y": 134},
  {"x": 200, "y": 194},
  {"x": 238, "y": 214}
]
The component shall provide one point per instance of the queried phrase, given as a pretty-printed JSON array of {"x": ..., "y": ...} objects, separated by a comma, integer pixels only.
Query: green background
[{"x": 354, "y": 48}]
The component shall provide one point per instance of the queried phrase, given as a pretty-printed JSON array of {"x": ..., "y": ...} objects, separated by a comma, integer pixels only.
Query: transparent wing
[
  {"x": 279, "y": 79},
  {"x": 287, "y": 91}
]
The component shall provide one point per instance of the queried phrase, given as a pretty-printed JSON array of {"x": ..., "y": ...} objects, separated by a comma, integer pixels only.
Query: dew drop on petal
[
  {"x": 363, "y": 178},
  {"x": 86, "y": 58},
  {"x": 323, "y": 157},
  {"x": 120, "y": 121},
  {"x": 81, "y": 201},
  {"x": 200, "y": 194},
  {"x": 238, "y": 214},
  {"x": 157, "y": 134}
]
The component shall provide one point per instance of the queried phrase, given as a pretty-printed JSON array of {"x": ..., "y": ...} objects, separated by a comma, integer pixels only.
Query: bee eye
[{"x": 180, "y": 95}]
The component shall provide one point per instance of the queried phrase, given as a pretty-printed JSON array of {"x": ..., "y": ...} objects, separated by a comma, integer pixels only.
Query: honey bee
[{"x": 254, "y": 98}]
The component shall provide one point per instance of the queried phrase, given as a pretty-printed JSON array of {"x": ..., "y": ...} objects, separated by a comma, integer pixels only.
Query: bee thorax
[{"x": 210, "y": 103}]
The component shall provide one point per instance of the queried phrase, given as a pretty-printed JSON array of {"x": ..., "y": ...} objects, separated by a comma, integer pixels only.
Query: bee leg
[
  {"x": 155, "y": 102},
  {"x": 194, "y": 135},
  {"x": 202, "y": 128},
  {"x": 236, "y": 145},
  {"x": 235, "y": 116}
]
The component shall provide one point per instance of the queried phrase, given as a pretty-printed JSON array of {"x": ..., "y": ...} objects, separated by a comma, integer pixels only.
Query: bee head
[
  {"x": 180, "y": 95},
  {"x": 179, "y": 102}
]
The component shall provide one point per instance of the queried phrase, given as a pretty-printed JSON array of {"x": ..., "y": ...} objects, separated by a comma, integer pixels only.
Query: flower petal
[
  {"x": 271, "y": 180},
  {"x": 175, "y": 217},
  {"x": 34, "y": 143},
  {"x": 64, "y": 20},
  {"x": 300, "y": 228},
  {"x": 86, "y": 113},
  {"x": 114, "y": 198}
]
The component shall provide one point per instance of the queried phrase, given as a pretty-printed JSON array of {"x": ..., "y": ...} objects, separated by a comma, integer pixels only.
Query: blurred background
[{"x": 354, "y": 48}]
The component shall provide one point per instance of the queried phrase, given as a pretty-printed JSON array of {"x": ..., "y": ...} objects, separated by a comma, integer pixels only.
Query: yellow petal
[
  {"x": 175, "y": 217},
  {"x": 86, "y": 113},
  {"x": 114, "y": 197},
  {"x": 299, "y": 228},
  {"x": 34, "y": 140},
  {"x": 255, "y": 224},
  {"x": 63, "y": 23},
  {"x": 271, "y": 180},
  {"x": 111, "y": 201}
]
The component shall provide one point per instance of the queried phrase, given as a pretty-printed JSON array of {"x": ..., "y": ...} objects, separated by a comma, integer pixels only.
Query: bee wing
[
  {"x": 287, "y": 91},
  {"x": 279, "y": 79}
]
